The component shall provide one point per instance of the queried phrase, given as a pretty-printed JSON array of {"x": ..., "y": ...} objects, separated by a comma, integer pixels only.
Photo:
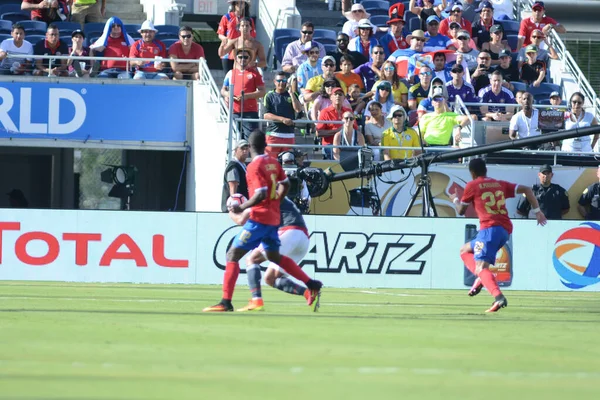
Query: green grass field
[{"x": 98, "y": 341}]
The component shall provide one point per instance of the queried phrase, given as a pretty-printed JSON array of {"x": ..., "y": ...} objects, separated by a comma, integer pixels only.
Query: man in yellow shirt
[
  {"x": 399, "y": 135},
  {"x": 88, "y": 11},
  {"x": 437, "y": 126}
]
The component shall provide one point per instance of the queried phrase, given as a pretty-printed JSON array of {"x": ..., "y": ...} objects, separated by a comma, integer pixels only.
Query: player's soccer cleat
[
  {"x": 219, "y": 308},
  {"x": 499, "y": 303},
  {"x": 254, "y": 305},
  {"x": 313, "y": 298},
  {"x": 476, "y": 288}
]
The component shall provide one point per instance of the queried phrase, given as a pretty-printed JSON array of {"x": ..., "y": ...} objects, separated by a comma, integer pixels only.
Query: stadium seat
[
  {"x": 34, "y": 27},
  {"x": 16, "y": 16},
  {"x": 519, "y": 85},
  {"x": 324, "y": 34},
  {"x": 513, "y": 41},
  {"x": 67, "y": 26},
  {"x": 93, "y": 27},
  {"x": 330, "y": 48},
  {"x": 169, "y": 42},
  {"x": 4, "y": 36},
  {"x": 379, "y": 20},
  {"x": 543, "y": 90},
  {"x": 280, "y": 44},
  {"x": 66, "y": 39},
  {"x": 510, "y": 27},
  {"x": 6, "y": 8},
  {"x": 502, "y": 17},
  {"x": 376, "y": 4},
  {"x": 414, "y": 23},
  {"x": 376, "y": 11},
  {"x": 166, "y": 35},
  {"x": 33, "y": 39},
  {"x": 286, "y": 32},
  {"x": 132, "y": 28},
  {"x": 168, "y": 29},
  {"x": 408, "y": 15},
  {"x": 325, "y": 41},
  {"x": 5, "y": 26}
]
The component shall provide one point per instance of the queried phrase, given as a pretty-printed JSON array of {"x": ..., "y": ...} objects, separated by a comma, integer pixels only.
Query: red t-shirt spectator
[
  {"x": 47, "y": 14},
  {"x": 247, "y": 81},
  {"x": 528, "y": 26},
  {"x": 264, "y": 173},
  {"x": 196, "y": 51},
  {"x": 228, "y": 26},
  {"x": 445, "y": 26},
  {"x": 141, "y": 49},
  {"x": 331, "y": 114},
  {"x": 115, "y": 48}
]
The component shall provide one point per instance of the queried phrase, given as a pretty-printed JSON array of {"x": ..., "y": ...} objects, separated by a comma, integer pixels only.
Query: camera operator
[{"x": 298, "y": 192}]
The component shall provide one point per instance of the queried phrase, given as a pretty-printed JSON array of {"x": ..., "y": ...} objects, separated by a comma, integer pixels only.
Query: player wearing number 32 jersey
[
  {"x": 489, "y": 196},
  {"x": 267, "y": 186}
]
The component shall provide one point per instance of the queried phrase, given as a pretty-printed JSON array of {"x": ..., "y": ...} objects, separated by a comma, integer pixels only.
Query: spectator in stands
[
  {"x": 114, "y": 42},
  {"x": 426, "y": 105},
  {"x": 579, "y": 118},
  {"x": 324, "y": 99},
  {"x": 425, "y": 9},
  {"x": 248, "y": 87},
  {"x": 537, "y": 21},
  {"x": 349, "y": 135},
  {"x": 537, "y": 38},
  {"x": 79, "y": 67},
  {"x": 365, "y": 39},
  {"x": 395, "y": 38},
  {"x": 383, "y": 96},
  {"x": 552, "y": 198},
  {"x": 556, "y": 100},
  {"x": 148, "y": 47},
  {"x": 525, "y": 123},
  {"x": 469, "y": 8},
  {"x": 311, "y": 67},
  {"x": 400, "y": 135},
  {"x": 469, "y": 53},
  {"x": 357, "y": 100},
  {"x": 482, "y": 28},
  {"x": 453, "y": 33},
  {"x": 399, "y": 89},
  {"x": 533, "y": 71},
  {"x": 228, "y": 26},
  {"x": 315, "y": 84},
  {"x": 589, "y": 202},
  {"x": 356, "y": 13},
  {"x": 326, "y": 131},
  {"x": 342, "y": 50},
  {"x": 47, "y": 10},
  {"x": 438, "y": 127},
  {"x": 83, "y": 11},
  {"x": 281, "y": 106},
  {"x": 436, "y": 41},
  {"x": 347, "y": 76},
  {"x": 417, "y": 41},
  {"x": 440, "y": 69},
  {"x": 376, "y": 124},
  {"x": 458, "y": 87},
  {"x": 495, "y": 45},
  {"x": 480, "y": 77},
  {"x": 508, "y": 69},
  {"x": 519, "y": 96},
  {"x": 234, "y": 180},
  {"x": 185, "y": 49},
  {"x": 496, "y": 93},
  {"x": 420, "y": 90},
  {"x": 246, "y": 41},
  {"x": 52, "y": 45},
  {"x": 16, "y": 45},
  {"x": 455, "y": 16},
  {"x": 293, "y": 55},
  {"x": 370, "y": 71}
]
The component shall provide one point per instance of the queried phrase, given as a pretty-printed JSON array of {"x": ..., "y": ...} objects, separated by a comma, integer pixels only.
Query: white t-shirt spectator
[
  {"x": 8, "y": 46},
  {"x": 525, "y": 127}
]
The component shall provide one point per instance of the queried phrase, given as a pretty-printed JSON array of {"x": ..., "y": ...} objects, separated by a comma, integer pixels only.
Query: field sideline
[{"x": 125, "y": 341}]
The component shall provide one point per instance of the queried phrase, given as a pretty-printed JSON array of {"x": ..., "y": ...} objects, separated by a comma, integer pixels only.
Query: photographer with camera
[
  {"x": 480, "y": 76},
  {"x": 298, "y": 193},
  {"x": 281, "y": 107}
]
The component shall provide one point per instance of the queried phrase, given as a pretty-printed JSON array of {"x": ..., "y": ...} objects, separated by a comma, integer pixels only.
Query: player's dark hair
[
  {"x": 258, "y": 141},
  {"x": 477, "y": 167}
]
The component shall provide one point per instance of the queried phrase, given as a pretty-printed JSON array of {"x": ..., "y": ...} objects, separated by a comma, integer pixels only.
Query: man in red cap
[
  {"x": 395, "y": 38},
  {"x": 537, "y": 21}
]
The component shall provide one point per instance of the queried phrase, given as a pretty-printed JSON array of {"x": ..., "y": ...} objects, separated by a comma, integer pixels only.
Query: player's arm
[
  {"x": 461, "y": 208},
  {"x": 259, "y": 195},
  {"x": 282, "y": 189},
  {"x": 539, "y": 215},
  {"x": 240, "y": 218}
]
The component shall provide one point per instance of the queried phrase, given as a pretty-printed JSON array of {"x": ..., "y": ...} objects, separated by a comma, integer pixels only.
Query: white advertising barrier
[{"x": 361, "y": 252}]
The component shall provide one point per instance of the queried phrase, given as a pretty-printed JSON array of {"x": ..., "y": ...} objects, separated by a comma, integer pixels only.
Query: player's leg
[
  {"x": 294, "y": 244},
  {"x": 466, "y": 253},
  {"x": 485, "y": 246},
  {"x": 254, "y": 276}
]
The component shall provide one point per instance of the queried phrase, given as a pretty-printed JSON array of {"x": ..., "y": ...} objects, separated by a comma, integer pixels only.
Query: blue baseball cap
[
  {"x": 433, "y": 18},
  {"x": 484, "y": 4}
]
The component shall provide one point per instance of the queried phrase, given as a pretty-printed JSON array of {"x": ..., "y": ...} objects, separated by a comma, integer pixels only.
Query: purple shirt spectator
[
  {"x": 465, "y": 92},
  {"x": 366, "y": 73},
  {"x": 487, "y": 95}
]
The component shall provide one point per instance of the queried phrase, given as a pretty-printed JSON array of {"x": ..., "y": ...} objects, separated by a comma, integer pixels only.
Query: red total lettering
[
  {"x": 7, "y": 226},
  {"x": 158, "y": 254},
  {"x": 24, "y": 257},
  {"x": 134, "y": 253},
  {"x": 81, "y": 245}
]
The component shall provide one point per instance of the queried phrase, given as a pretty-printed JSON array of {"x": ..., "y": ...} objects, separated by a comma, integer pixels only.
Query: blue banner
[{"x": 93, "y": 111}]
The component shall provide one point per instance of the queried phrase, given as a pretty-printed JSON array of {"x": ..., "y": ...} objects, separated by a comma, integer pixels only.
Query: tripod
[{"x": 423, "y": 186}]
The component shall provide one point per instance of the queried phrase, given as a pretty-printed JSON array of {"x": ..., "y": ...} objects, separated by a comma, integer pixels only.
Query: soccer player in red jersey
[
  {"x": 489, "y": 196},
  {"x": 268, "y": 185}
]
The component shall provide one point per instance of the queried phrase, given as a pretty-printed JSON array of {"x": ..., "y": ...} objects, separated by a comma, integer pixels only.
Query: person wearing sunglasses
[
  {"x": 533, "y": 71},
  {"x": 185, "y": 49},
  {"x": 437, "y": 41},
  {"x": 579, "y": 118},
  {"x": 294, "y": 55},
  {"x": 228, "y": 28},
  {"x": 244, "y": 40},
  {"x": 369, "y": 71},
  {"x": 456, "y": 15},
  {"x": 248, "y": 87},
  {"x": 399, "y": 88},
  {"x": 281, "y": 106},
  {"x": 365, "y": 39},
  {"x": 354, "y": 15},
  {"x": 395, "y": 37},
  {"x": 482, "y": 29},
  {"x": 400, "y": 135},
  {"x": 458, "y": 86},
  {"x": 417, "y": 41},
  {"x": 348, "y": 135},
  {"x": 469, "y": 54},
  {"x": 420, "y": 90},
  {"x": 325, "y": 130},
  {"x": 426, "y": 105},
  {"x": 311, "y": 67},
  {"x": 375, "y": 126},
  {"x": 441, "y": 127},
  {"x": 342, "y": 51},
  {"x": 324, "y": 99},
  {"x": 538, "y": 20},
  {"x": 315, "y": 84},
  {"x": 538, "y": 39}
]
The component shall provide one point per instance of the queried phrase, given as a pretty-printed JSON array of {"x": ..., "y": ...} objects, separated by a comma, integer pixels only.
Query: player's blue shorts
[
  {"x": 255, "y": 233},
  {"x": 487, "y": 243}
]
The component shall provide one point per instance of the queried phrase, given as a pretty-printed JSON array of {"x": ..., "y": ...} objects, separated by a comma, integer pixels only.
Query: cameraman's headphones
[{"x": 283, "y": 153}]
